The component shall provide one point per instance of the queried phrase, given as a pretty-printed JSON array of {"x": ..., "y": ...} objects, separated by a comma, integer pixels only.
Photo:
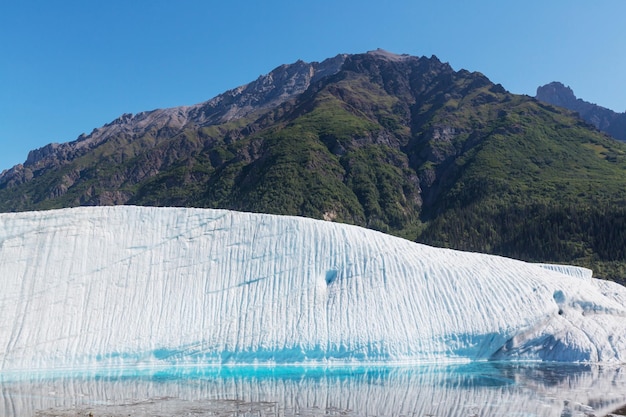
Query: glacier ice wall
[{"x": 130, "y": 286}]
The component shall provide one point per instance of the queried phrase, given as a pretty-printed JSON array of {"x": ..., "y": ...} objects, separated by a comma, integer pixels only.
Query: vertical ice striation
[{"x": 133, "y": 286}]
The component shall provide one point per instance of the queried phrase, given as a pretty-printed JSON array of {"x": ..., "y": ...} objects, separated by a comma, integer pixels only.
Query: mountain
[
  {"x": 95, "y": 287},
  {"x": 602, "y": 118},
  {"x": 396, "y": 143}
]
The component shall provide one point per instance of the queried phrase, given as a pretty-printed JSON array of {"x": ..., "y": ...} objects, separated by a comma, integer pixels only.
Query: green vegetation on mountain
[{"x": 403, "y": 145}]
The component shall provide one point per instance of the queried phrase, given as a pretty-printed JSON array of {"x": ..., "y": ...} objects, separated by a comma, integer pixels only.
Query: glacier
[{"x": 128, "y": 286}]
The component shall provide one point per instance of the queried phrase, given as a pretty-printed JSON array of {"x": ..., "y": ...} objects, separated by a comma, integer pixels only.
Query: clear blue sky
[{"x": 69, "y": 66}]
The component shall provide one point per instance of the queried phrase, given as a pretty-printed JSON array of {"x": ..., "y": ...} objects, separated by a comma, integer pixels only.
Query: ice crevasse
[{"x": 145, "y": 286}]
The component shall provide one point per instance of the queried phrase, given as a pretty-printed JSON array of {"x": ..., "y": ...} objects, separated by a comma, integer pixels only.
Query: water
[{"x": 471, "y": 390}]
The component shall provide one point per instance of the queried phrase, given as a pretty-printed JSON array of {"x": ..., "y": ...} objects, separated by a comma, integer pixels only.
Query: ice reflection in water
[{"x": 484, "y": 389}]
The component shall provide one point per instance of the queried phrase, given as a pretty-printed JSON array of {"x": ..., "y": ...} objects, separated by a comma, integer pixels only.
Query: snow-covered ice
[{"x": 131, "y": 286}]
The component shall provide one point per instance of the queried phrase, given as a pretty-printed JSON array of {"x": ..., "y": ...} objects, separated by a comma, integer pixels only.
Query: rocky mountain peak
[
  {"x": 557, "y": 94},
  {"x": 604, "y": 119},
  {"x": 389, "y": 56},
  {"x": 270, "y": 90}
]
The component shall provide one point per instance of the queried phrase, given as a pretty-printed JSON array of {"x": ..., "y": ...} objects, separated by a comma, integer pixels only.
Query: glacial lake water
[{"x": 468, "y": 390}]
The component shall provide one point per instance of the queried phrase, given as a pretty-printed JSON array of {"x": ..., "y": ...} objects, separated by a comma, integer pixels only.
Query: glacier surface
[{"x": 141, "y": 286}]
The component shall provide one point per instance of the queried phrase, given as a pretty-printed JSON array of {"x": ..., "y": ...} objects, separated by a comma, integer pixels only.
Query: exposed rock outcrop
[{"x": 602, "y": 118}]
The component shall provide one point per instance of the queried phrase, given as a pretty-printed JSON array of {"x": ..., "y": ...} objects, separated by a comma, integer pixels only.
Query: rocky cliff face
[{"x": 602, "y": 118}]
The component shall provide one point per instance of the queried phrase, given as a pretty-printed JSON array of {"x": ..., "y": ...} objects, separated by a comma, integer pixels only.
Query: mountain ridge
[{"x": 232, "y": 104}]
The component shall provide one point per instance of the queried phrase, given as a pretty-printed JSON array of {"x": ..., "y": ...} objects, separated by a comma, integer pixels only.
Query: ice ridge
[{"x": 137, "y": 286}]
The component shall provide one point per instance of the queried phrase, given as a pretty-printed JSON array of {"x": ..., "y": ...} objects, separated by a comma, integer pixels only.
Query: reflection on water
[{"x": 483, "y": 389}]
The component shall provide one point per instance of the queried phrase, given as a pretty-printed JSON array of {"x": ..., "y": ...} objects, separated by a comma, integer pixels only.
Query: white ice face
[{"x": 130, "y": 286}]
